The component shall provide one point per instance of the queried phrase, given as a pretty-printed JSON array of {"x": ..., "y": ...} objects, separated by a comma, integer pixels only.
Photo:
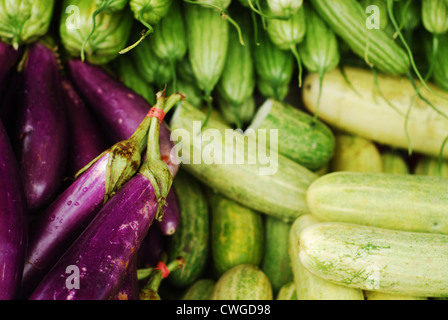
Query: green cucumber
[
  {"x": 237, "y": 83},
  {"x": 236, "y": 234},
  {"x": 435, "y": 16},
  {"x": 243, "y": 282},
  {"x": 208, "y": 38},
  {"x": 287, "y": 292},
  {"x": 170, "y": 39},
  {"x": 374, "y": 295},
  {"x": 348, "y": 20},
  {"x": 376, "y": 259},
  {"x": 440, "y": 73},
  {"x": 284, "y": 8},
  {"x": 356, "y": 154},
  {"x": 275, "y": 186},
  {"x": 200, "y": 290},
  {"x": 307, "y": 142},
  {"x": 382, "y": 14},
  {"x": 276, "y": 262},
  {"x": 274, "y": 67},
  {"x": 394, "y": 162},
  {"x": 191, "y": 240},
  {"x": 384, "y": 200},
  {"x": 429, "y": 166},
  {"x": 309, "y": 286}
]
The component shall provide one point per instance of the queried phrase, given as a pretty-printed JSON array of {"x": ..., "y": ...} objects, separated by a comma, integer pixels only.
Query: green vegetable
[
  {"x": 237, "y": 82},
  {"x": 384, "y": 200},
  {"x": 23, "y": 22},
  {"x": 109, "y": 36},
  {"x": 274, "y": 67},
  {"x": 308, "y": 285},
  {"x": 170, "y": 39},
  {"x": 394, "y": 162},
  {"x": 276, "y": 262},
  {"x": 284, "y": 8},
  {"x": 236, "y": 235},
  {"x": 429, "y": 166},
  {"x": 301, "y": 139},
  {"x": 200, "y": 290},
  {"x": 383, "y": 260},
  {"x": 274, "y": 185},
  {"x": 243, "y": 282},
  {"x": 287, "y": 292}
]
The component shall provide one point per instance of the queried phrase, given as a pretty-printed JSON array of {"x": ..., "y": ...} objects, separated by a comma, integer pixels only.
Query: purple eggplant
[
  {"x": 87, "y": 140},
  {"x": 58, "y": 225},
  {"x": 13, "y": 217},
  {"x": 129, "y": 289},
  {"x": 119, "y": 108},
  {"x": 8, "y": 57},
  {"x": 42, "y": 134},
  {"x": 151, "y": 249},
  {"x": 171, "y": 216},
  {"x": 104, "y": 250}
]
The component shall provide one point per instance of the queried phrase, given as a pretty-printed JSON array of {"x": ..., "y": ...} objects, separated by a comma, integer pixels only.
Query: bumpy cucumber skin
[
  {"x": 384, "y": 260},
  {"x": 355, "y": 154},
  {"x": 191, "y": 240},
  {"x": 236, "y": 234},
  {"x": 276, "y": 262},
  {"x": 243, "y": 282},
  {"x": 393, "y": 201},
  {"x": 348, "y": 20},
  {"x": 309, "y": 286}
]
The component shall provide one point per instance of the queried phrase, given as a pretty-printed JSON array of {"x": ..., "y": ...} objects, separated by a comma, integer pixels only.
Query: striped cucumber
[
  {"x": 237, "y": 83},
  {"x": 389, "y": 261},
  {"x": 208, "y": 39},
  {"x": 382, "y": 14},
  {"x": 284, "y": 8},
  {"x": 273, "y": 185},
  {"x": 356, "y": 154},
  {"x": 309, "y": 286},
  {"x": 274, "y": 67},
  {"x": 237, "y": 234},
  {"x": 276, "y": 262},
  {"x": 383, "y": 200},
  {"x": 200, "y": 290},
  {"x": 191, "y": 240},
  {"x": 348, "y": 20},
  {"x": 243, "y": 282},
  {"x": 394, "y": 162},
  {"x": 440, "y": 73},
  {"x": 357, "y": 112},
  {"x": 307, "y": 142},
  {"x": 435, "y": 16}
]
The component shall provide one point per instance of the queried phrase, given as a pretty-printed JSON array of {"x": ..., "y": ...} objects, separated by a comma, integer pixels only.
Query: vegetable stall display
[{"x": 223, "y": 150}]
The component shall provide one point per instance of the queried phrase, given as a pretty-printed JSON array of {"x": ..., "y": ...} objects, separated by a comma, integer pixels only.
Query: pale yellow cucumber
[
  {"x": 363, "y": 112},
  {"x": 230, "y": 163},
  {"x": 375, "y": 259},
  {"x": 385, "y": 200},
  {"x": 356, "y": 154},
  {"x": 309, "y": 286},
  {"x": 287, "y": 292}
]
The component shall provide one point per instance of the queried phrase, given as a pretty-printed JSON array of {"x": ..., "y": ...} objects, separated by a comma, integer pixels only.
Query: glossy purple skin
[
  {"x": 55, "y": 229},
  {"x": 171, "y": 215},
  {"x": 102, "y": 253},
  {"x": 13, "y": 217},
  {"x": 129, "y": 289},
  {"x": 42, "y": 133},
  {"x": 120, "y": 109},
  {"x": 87, "y": 140},
  {"x": 8, "y": 58}
]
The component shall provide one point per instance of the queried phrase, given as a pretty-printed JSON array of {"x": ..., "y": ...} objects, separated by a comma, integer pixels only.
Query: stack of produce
[{"x": 223, "y": 150}]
